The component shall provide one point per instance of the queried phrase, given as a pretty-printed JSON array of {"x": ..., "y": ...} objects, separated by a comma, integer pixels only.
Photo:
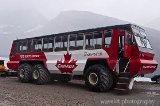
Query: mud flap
[{"x": 131, "y": 84}]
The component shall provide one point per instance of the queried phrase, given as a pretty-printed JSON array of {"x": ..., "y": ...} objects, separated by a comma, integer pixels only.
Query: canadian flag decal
[{"x": 67, "y": 65}]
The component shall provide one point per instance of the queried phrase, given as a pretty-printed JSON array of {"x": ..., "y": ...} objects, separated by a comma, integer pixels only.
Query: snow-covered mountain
[
  {"x": 14, "y": 23},
  {"x": 76, "y": 20},
  {"x": 155, "y": 24},
  {"x": 154, "y": 37}
]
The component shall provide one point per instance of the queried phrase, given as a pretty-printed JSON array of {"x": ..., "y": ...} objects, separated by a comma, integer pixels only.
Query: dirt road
[{"x": 74, "y": 93}]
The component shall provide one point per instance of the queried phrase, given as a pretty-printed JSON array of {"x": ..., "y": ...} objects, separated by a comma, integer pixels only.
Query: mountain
[
  {"x": 155, "y": 24},
  {"x": 77, "y": 20},
  {"x": 154, "y": 37},
  {"x": 14, "y": 23}
]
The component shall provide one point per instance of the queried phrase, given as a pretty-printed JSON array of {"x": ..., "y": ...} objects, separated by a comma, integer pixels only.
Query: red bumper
[
  {"x": 13, "y": 65},
  {"x": 141, "y": 66}
]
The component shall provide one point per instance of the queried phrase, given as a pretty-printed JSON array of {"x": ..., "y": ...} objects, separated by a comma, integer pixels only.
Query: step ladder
[{"x": 125, "y": 81}]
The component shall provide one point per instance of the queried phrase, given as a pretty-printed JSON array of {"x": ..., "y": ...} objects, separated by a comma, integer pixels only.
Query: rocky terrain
[{"x": 74, "y": 93}]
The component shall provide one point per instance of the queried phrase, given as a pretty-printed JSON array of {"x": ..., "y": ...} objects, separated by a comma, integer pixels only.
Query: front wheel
[
  {"x": 40, "y": 75},
  {"x": 98, "y": 78}
]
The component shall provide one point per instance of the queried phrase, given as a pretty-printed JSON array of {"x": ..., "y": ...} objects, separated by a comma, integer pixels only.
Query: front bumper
[{"x": 141, "y": 66}]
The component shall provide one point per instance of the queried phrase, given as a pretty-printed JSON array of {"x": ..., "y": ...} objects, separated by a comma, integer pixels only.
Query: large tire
[
  {"x": 63, "y": 78},
  {"x": 40, "y": 75},
  {"x": 98, "y": 78},
  {"x": 25, "y": 73}
]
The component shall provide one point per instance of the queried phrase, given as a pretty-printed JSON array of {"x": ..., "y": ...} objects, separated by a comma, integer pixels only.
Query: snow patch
[
  {"x": 142, "y": 79},
  {"x": 34, "y": 29}
]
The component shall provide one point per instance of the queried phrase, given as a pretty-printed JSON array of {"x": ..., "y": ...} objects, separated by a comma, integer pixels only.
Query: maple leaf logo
[{"x": 68, "y": 65}]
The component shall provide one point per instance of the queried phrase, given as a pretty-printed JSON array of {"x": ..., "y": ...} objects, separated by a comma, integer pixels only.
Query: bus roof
[{"x": 123, "y": 26}]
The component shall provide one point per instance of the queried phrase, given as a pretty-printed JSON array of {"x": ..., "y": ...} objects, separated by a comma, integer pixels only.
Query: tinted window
[
  {"x": 76, "y": 42},
  {"x": 45, "y": 44},
  {"x": 21, "y": 46},
  {"x": 94, "y": 40},
  {"x": 29, "y": 45},
  {"x": 48, "y": 44},
  {"x": 97, "y": 40},
  {"x": 37, "y": 45},
  {"x": 108, "y": 37},
  {"x": 61, "y": 43},
  {"x": 89, "y": 42},
  {"x": 24, "y": 46},
  {"x": 16, "y": 47}
]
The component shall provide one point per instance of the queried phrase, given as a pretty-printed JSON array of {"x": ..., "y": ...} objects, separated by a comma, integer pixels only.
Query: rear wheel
[
  {"x": 40, "y": 75},
  {"x": 25, "y": 73},
  {"x": 98, "y": 78}
]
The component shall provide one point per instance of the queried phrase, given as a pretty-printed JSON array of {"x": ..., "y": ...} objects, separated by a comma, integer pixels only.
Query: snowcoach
[{"x": 106, "y": 57}]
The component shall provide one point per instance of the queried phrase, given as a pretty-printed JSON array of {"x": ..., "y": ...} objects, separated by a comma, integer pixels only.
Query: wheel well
[
  {"x": 93, "y": 62},
  {"x": 101, "y": 62},
  {"x": 32, "y": 62}
]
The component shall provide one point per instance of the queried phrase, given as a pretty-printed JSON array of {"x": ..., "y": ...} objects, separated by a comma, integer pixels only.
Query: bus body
[{"x": 113, "y": 52}]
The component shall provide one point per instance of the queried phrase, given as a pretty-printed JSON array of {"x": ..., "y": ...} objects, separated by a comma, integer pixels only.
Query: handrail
[
  {"x": 116, "y": 64},
  {"x": 127, "y": 65}
]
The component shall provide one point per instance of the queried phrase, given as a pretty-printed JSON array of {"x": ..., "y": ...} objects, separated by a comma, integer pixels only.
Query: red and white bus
[{"x": 105, "y": 57}]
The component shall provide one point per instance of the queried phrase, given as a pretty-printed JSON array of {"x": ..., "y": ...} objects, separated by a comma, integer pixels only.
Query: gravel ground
[{"x": 74, "y": 93}]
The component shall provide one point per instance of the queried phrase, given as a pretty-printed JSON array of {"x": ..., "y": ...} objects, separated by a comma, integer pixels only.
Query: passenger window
[
  {"x": 76, "y": 42},
  {"x": 45, "y": 44},
  {"x": 80, "y": 42},
  {"x": 89, "y": 42},
  {"x": 108, "y": 38},
  {"x": 24, "y": 47},
  {"x": 37, "y": 45},
  {"x": 50, "y": 44},
  {"x": 61, "y": 43},
  {"x": 58, "y": 43},
  {"x": 16, "y": 47},
  {"x": 97, "y": 40},
  {"x": 29, "y": 45},
  {"x": 72, "y": 42},
  {"x": 21, "y": 47},
  {"x": 94, "y": 40}
]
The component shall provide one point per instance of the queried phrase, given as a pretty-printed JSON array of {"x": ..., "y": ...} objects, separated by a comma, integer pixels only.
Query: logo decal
[
  {"x": 144, "y": 67},
  {"x": 67, "y": 65}
]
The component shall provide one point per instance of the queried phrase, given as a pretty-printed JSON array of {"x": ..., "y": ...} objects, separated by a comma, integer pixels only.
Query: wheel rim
[
  {"x": 93, "y": 78},
  {"x": 36, "y": 74},
  {"x": 21, "y": 73}
]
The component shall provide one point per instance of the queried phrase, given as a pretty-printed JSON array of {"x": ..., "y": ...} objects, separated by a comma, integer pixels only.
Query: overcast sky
[{"x": 137, "y": 11}]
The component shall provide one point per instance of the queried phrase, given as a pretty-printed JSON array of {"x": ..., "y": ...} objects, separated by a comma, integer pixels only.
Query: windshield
[{"x": 140, "y": 37}]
